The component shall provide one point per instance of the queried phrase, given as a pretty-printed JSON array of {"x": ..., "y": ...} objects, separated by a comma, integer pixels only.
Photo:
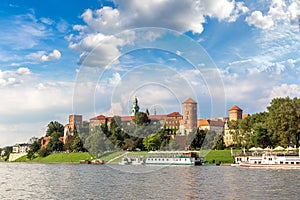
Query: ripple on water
[{"x": 65, "y": 181}]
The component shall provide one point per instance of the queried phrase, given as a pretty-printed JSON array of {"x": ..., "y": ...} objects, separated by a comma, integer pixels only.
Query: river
[{"x": 74, "y": 181}]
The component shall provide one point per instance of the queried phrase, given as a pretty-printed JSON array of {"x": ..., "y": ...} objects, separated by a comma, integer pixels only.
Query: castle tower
[
  {"x": 75, "y": 122},
  {"x": 135, "y": 107},
  {"x": 235, "y": 113},
  {"x": 189, "y": 115}
]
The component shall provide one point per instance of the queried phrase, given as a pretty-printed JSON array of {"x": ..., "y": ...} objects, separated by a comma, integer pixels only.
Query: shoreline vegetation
[{"x": 210, "y": 156}]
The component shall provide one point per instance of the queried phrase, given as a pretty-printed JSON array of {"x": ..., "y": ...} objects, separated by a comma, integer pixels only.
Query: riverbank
[{"x": 210, "y": 156}]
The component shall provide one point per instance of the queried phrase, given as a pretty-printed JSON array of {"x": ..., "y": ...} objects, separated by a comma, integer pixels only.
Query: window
[{"x": 292, "y": 162}]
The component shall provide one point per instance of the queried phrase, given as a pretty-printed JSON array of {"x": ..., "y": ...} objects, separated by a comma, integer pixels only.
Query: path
[{"x": 117, "y": 157}]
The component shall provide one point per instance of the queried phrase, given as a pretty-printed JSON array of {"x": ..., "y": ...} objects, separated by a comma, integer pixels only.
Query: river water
[{"x": 74, "y": 181}]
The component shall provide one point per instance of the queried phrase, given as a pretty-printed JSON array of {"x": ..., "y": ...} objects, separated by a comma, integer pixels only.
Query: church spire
[{"x": 135, "y": 107}]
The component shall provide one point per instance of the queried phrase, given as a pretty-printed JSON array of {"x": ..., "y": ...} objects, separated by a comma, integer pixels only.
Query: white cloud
[
  {"x": 54, "y": 55},
  {"x": 182, "y": 16},
  {"x": 257, "y": 19},
  {"x": 23, "y": 71},
  {"x": 115, "y": 79},
  {"x": 11, "y": 78}
]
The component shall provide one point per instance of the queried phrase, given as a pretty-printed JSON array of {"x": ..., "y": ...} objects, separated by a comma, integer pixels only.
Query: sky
[{"x": 92, "y": 57}]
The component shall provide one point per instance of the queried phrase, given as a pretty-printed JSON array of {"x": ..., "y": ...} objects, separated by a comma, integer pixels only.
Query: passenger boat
[
  {"x": 188, "y": 158},
  {"x": 272, "y": 161},
  {"x": 132, "y": 160}
]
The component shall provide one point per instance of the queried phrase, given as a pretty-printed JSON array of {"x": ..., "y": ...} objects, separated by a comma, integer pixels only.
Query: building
[
  {"x": 98, "y": 121},
  {"x": 216, "y": 125},
  {"x": 235, "y": 113},
  {"x": 189, "y": 116},
  {"x": 173, "y": 121},
  {"x": 75, "y": 122},
  {"x": 21, "y": 148}
]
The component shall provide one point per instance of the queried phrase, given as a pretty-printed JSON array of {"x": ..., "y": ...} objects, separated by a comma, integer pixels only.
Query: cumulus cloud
[
  {"x": 10, "y": 77},
  {"x": 115, "y": 79},
  {"x": 257, "y": 19},
  {"x": 178, "y": 15},
  {"x": 54, "y": 55}
]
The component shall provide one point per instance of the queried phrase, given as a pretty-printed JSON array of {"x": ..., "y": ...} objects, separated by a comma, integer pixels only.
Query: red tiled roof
[
  {"x": 202, "y": 122},
  {"x": 189, "y": 100},
  {"x": 127, "y": 118},
  {"x": 245, "y": 116},
  {"x": 157, "y": 117},
  {"x": 174, "y": 114},
  {"x": 100, "y": 117},
  {"x": 235, "y": 108}
]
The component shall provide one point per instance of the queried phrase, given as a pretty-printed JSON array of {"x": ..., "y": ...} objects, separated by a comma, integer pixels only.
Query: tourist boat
[
  {"x": 272, "y": 161},
  {"x": 132, "y": 160},
  {"x": 188, "y": 158}
]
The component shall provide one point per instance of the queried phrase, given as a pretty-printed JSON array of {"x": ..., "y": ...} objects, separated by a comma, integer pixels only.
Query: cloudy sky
[{"x": 92, "y": 57}]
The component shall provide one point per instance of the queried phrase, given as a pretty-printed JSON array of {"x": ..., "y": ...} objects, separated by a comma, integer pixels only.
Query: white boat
[
  {"x": 185, "y": 158},
  {"x": 132, "y": 160},
  {"x": 272, "y": 161}
]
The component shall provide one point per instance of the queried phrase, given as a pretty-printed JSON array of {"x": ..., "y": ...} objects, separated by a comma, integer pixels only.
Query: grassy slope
[
  {"x": 64, "y": 157},
  {"x": 223, "y": 156}
]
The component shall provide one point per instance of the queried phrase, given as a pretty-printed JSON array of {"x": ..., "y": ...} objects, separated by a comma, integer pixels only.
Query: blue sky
[{"x": 92, "y": 57}]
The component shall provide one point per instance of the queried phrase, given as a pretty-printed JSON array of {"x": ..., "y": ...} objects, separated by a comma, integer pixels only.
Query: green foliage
[
  {"x": 279, "y": 126},
  {"x": 218, "y": 143},
  {"x": 55, "y": 127},
  {"x": 43, "y": 152},
  {"x": 35, "y": 146},
  {"x": 152, "y": 142}
]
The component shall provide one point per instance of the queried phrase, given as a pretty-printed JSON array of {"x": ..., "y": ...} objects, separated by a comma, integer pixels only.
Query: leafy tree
[
  {"x": 55, "y": 127},
  {"x": 283, "y": 121},
  {"x": 35, "y": 146},
  {"x": 43, "y": 152},
  {"x": 76, "y": 144},
  {"x": 141, "y": 119},
  {"x": 219, "y": 142},
  {"x": 55, "y": 144},
  {"x": 152, "y": 142}
]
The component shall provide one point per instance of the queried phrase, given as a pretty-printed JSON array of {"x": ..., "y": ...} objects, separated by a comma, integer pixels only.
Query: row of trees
[
  {"x": 55, "y": 130},
  {"x": 279, "y": 125}
]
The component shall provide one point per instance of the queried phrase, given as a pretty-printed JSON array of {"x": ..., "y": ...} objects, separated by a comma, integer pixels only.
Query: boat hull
[{"x": 286, "y": 166}]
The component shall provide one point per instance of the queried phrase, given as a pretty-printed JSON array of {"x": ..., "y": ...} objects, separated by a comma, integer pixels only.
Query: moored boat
[
  {"x": 272, "y": 161},
  {"x": 184, "y": 158},
  {"x": 132, "y": 160}
]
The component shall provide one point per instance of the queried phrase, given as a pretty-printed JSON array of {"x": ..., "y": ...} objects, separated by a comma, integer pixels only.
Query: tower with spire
[{"x": 135, "y": 107}]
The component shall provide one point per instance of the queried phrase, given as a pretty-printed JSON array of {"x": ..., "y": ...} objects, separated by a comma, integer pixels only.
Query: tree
[
  {"x": 141, "y": 119},
  {"x": 219, "y": 142},
  {"x": 283, "y": 121},
  {"x": 76, "y": 144},
  {"x": 152, "y": 142},
  {"x": 55, "y": 144},
  {"x": 55, "y": 127}
]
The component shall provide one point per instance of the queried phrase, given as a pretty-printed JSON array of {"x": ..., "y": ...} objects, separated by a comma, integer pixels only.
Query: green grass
[
  {"x": 110, "y": 155},
  {"x": 64, "y": 157},
  {"x": 223, "y": 156},
  {"x": 22, "y": 159}
]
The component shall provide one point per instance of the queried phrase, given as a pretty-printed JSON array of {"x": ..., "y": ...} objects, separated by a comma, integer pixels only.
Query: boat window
[
  {"x": 286, "y": 162},
  {"x": 270, "y": 158},
  {"x": 167, "y": 159},
  {"x": 297, "y": 163},
  {"x": 292, "y": 162},
  {"x": 281, "y": 162},
  {"x": 259, "y": 162}
]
